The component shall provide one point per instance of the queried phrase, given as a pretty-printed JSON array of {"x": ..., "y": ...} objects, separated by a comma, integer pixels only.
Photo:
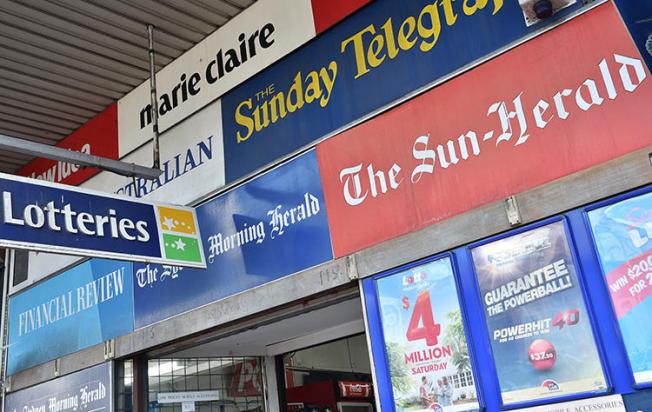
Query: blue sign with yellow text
[
  {"x": 381, "y": 54},
  {"x": 272, "y": 226},
  {"x": 78, "y": 308}
]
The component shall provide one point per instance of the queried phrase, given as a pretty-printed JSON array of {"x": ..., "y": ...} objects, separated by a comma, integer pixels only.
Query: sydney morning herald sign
[{"x": 55, "y": 218}]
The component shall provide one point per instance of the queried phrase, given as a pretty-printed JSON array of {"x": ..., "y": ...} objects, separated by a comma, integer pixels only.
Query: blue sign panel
[
  {"x": 638, "y": 18},
  {"x": 640, "y": 401},
  {"x": 60, "y": 219},
  {"x": 387, "y": 50},
  {"x": 81, "y": 307},
  {"x": 87, "y": 390},
  {"x": 267, "y": 228}
]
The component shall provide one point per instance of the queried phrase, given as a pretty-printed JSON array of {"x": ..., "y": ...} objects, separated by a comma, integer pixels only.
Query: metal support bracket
[
  {"x": 513, "y": 213},
  {"x": 57, "y": 367},
  {"x": 109, "y": 349},
  {"x": 16, "y": 145},
  {"x": 352, "y": 268}
]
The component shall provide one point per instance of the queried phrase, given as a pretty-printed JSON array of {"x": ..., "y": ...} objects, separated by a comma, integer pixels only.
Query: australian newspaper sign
[
  {"x": 61, "y": 219},
  {"x": 574, "y": 97}
]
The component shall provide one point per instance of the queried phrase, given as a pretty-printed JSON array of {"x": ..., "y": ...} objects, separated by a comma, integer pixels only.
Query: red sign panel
[
  {"x": 352, "y": 389},
  {"x": 98, "y": 136},
  {"x": 246, "y": 380},
  {"x": 569, "y": 99},
  {"x": 327, "y": 13}
]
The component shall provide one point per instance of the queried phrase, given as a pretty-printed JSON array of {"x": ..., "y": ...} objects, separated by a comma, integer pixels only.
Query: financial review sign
[{"x": 54, "y": 218}]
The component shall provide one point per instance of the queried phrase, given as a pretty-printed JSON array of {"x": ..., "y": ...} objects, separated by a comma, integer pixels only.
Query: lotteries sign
[{"x": 54, "y": 218}]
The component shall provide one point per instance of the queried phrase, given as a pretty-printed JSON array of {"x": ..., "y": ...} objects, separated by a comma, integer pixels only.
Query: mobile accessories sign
[{"x": 60, "y": 219}]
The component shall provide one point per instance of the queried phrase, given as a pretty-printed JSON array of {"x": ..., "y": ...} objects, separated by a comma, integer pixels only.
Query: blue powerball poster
[
  {"x": 425, "y": 341},
  {"x": 541, "y": 336},
  {"x": 622, "y": 234}
]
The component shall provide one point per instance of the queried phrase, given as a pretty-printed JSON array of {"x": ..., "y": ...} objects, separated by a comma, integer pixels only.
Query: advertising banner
[
  {"x": 269, "y": 227},
  {"x": 78, "y": 308},
  {"x": 98, "y": 136},
  {"x": 638, "y": 17},
  {"x": 261, "y": 34},
  {"x": 425, "y": 341},
  {"x": 569, "y": 99},
  {"x": 387, "y": 50},
  {"x": 541, "y": 336},
  {"x": 89, "y": 390},
  {"x": 611, "y": 403},
  {"x": 62, "y": 219},
  {"x": 622, "y": 234}
]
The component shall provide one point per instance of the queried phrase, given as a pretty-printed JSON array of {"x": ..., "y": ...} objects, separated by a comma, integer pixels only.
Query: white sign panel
[
  {"x": 257, "y": 37},
  {"x": 612, "y": 403},
  {"x": 188, "y": 397}
]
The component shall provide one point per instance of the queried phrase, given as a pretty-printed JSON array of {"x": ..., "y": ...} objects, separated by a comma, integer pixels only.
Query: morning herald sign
[{"x": 60, "y": 219}]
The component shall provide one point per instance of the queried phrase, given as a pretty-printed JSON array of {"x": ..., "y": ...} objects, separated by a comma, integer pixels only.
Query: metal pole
[
  {"x": 8, "y": 270},
  {"x": 153, "y": 98}
]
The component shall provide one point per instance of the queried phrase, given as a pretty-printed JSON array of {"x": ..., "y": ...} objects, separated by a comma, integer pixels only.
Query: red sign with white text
[
  {"x": 569, "y": 99},
  {"x": 98, "y": 136}
]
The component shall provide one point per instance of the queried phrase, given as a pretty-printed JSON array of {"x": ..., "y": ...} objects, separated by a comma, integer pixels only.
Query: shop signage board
[
  {"x": 98, "y": 136},
  {"x": 386, "y": 51},
  {"x": 425, "y": 341},
  {"x": 269, "y": 227},
  {"x": 540, "y": 331},
  {"x": 180, "y": 397},
  {"x": 572, "y": 98},
  {"x": 258, "y": 36},
  {"x": 611, "y": 403},
  {"x": 192, "y": 160},
  {"x": 81, "y": 307},
  {"x": 88, "y": 390},
  {"x": 62, "y": 219},
  {"x": 622, "y": 233},
  {"x": 638, "y": 17}
]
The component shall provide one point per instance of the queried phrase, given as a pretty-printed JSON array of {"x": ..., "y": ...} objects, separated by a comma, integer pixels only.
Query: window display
[
  {"x": 425, "y": 341},
  {"x": 541, "y": 335},
  {"x": 622, "y": 234}
]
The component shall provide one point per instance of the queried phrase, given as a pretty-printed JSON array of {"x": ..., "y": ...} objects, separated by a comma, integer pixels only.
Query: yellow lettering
[
  {"x": 296, "y": 90},
  {"x": 450, "y": 15},
  {"x": 405, "y": 31},
  {"x": 392, "y": 51},
  {"x": 277, "y": 106},
  {"x": 374, "y": 51},
  {"x": 313, "y": 91},
  {"x": 358, "y": 49},
  {"x": 264, "y": 108},
  {"x": 479, "y": 5},
  {"x": 329, "y": 82},
  {"x": 243, "y": 120},
  {"x": 432, "y": 31}
]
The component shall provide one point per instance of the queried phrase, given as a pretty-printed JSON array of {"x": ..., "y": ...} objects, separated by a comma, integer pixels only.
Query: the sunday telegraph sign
[
  {"x": 54, "y": 218},
  {"x": 572, "y": 98}
]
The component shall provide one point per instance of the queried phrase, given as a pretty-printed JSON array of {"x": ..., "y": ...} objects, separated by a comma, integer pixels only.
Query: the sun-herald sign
[
  {"x": 572, "y": 98},
  {"x": 48, "y": 217}
]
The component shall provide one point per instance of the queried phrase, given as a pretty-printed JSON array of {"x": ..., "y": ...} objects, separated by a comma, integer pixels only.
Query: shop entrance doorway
[{"x": 329, "y": 377}]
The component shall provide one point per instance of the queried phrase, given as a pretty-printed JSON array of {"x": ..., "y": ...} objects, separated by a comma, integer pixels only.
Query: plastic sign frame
[
  {"x": 55, "y": 218},
  {"x": 376, "y": 334},
  {"x": 581, "y": 284},
  {"x": 643, "y": 383}
]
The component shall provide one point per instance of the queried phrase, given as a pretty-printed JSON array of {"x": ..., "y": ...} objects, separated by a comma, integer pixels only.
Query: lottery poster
[
  {"x": 425, "y": 341},
  {"x": 541, "y": 337},
  {"x": 622, "y": 233}
]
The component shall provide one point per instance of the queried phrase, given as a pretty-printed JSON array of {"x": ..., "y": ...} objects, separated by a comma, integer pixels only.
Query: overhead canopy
[{"x": 64, "y": 61}]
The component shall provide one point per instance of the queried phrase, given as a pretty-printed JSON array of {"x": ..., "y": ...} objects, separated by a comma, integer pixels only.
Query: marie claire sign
[{"x": 55, "y": 218}]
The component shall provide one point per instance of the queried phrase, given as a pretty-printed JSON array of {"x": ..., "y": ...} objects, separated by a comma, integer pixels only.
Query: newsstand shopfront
[{"x": 481, "y": 246}]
